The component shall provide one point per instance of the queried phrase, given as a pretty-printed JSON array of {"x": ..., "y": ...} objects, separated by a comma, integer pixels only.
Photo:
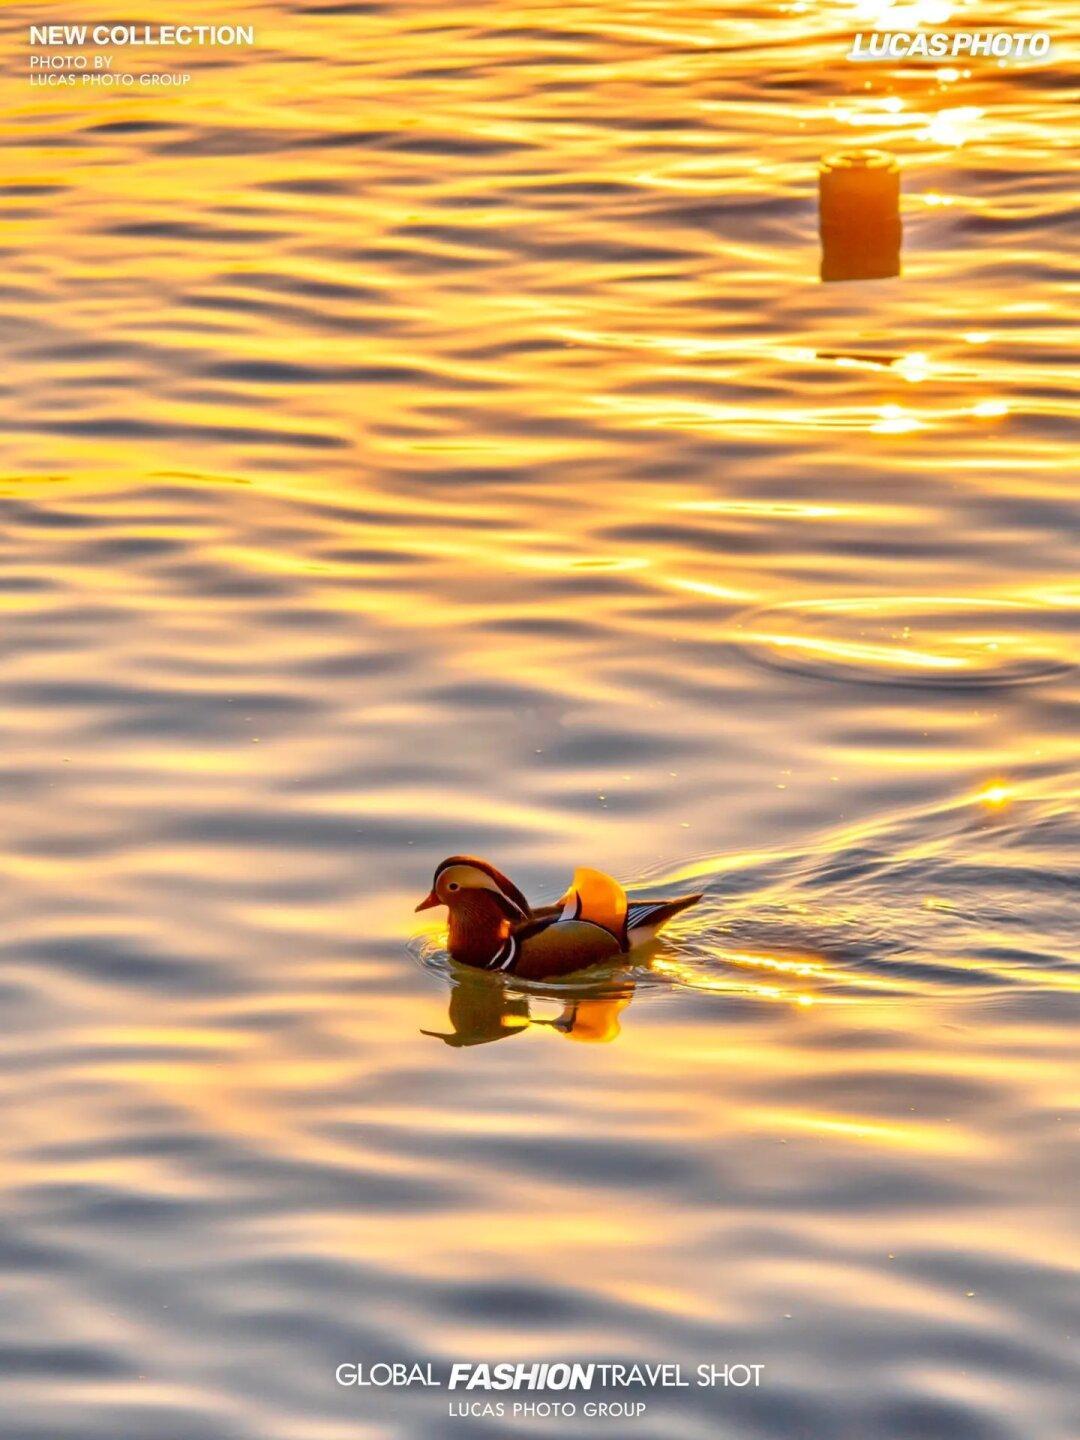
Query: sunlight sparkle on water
[
  {"x": 896, "y": 15},
  {"x": 914, "y": 367},
  {"x": 953, "y": 127},
  {"x": 894, "y": 420},
  {"x": 995, "y": 796}
]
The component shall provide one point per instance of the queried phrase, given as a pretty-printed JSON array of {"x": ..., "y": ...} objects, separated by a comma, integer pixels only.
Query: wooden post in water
[{"x": 859, "y": 213}]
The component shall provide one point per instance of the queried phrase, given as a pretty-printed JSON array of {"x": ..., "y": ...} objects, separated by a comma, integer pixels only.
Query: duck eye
[{"x": 453, "y": 885}]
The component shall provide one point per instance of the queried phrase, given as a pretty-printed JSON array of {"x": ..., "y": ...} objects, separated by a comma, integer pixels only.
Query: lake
[{"x": 426, "y": 431}]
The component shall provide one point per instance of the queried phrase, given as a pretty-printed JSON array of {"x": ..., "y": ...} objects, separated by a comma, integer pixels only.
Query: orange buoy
[{"x": 859, "y": 214}]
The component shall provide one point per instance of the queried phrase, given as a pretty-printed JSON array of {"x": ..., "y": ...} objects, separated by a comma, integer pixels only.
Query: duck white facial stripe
[{"x": 472, "y": 874}]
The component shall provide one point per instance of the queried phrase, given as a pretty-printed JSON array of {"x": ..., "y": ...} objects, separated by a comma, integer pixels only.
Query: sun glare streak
[
  {"x": 696, "y": 978},
  {"x": 804, "y": 966},
  {"x": 889, "y": 657},
  {"x": 920, "y": 1136}
]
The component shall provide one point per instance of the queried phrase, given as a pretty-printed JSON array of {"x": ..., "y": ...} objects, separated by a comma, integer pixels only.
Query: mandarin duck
[{"x": 493, "y": 926}]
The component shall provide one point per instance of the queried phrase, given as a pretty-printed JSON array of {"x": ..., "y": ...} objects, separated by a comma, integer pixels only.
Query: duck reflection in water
[{"x": 483, "y": 1009}]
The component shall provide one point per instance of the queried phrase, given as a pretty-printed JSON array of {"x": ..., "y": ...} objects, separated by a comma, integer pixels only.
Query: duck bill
[{"x": 428, "y": 901}]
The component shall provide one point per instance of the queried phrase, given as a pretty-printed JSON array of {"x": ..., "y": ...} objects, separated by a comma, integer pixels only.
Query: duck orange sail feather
[{"x": 598, "y": 899}]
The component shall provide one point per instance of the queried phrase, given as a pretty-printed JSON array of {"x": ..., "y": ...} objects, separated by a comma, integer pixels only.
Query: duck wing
[
  {"x": 598, "y": 899},
  {"x": 560, "y": 948}
]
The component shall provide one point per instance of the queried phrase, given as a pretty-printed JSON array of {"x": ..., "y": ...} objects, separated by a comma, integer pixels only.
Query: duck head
[
  {"x": 485, "y": 906},
  {"x": 461, "y": 876}
]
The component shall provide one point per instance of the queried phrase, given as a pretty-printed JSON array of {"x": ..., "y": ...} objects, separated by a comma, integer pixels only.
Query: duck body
[{"x": 493, "y": 927}]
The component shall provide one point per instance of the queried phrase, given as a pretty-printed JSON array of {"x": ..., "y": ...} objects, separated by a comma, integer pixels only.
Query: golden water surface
[{"x": 427, "y": 431}]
